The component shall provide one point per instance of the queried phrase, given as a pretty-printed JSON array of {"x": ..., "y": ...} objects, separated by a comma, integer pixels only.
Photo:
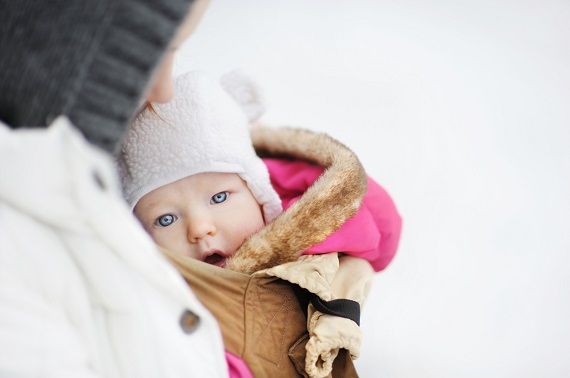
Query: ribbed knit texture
[{"x": 93, "y": 67}]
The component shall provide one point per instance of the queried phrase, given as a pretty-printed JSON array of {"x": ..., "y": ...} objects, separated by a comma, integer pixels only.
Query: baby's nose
[{"x": 199, "y": 227}]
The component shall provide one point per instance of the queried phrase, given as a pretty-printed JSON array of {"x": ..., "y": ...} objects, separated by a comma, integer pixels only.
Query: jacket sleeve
[
  {"x": 372, "y": 234},
  {"x": 37, "y": 335},
  {"x": 329, "y": 276}
]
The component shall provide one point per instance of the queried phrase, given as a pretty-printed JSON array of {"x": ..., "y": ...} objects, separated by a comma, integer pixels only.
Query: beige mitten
[
  {"x": 330, "y": 277},
  {"x": 312, "y": 272},
  {"x": 328, "y": 334}
]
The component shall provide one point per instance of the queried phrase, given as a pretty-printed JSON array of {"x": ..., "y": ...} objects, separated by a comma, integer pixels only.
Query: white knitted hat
[{"x": 203, "y": 129}]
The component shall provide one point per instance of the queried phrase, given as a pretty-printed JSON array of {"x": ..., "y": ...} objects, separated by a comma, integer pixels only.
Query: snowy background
[{"x": 460, "y": 109}]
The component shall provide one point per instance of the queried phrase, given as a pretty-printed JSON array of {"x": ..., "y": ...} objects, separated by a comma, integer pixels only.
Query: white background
[{"x": 460, "y": 109}]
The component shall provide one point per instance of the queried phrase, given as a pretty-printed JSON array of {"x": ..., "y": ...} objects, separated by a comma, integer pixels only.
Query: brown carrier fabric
[{"x": 259, "y": 316}]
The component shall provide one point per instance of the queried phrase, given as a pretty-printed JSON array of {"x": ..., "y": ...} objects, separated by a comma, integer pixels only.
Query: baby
[{"x": 193, "y": 178}]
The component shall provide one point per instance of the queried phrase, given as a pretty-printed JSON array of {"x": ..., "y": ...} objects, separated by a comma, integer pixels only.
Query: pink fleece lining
[{"x": 373, "y": 233}]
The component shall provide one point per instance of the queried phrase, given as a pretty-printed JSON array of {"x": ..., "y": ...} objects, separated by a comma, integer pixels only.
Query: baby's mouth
[{"x": 216, "y": 259}]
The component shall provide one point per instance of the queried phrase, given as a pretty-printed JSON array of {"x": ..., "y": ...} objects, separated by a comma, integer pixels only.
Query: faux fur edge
[{"x": 334, "y": 198}]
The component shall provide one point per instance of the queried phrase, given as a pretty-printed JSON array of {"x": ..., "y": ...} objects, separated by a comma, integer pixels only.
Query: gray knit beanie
[
  {"x": 88, "y": 59},
  {"x": 205, "y": 128}
]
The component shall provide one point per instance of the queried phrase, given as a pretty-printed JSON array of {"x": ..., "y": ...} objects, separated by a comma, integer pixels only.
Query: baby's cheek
[
  {"x": 252, "y": 227},
  {"x": 240, "y": 235},
  {"x": 162, "y": 240}
]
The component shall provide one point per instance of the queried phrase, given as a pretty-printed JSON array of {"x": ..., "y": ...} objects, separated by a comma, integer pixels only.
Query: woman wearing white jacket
[{"x": 83, "y": 290}]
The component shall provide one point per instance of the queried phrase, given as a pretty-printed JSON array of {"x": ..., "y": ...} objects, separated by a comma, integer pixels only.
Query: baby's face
[{"x": 206, "y": 216}]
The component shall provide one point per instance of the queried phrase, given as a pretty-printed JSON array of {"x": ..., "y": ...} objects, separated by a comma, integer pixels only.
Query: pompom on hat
[{"x": 203, "y": 129}]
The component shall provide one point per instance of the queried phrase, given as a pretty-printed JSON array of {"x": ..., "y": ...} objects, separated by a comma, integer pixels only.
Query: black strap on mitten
[
  {"x": 303, "y": 296},
  {"x": 345, "y": 308}
]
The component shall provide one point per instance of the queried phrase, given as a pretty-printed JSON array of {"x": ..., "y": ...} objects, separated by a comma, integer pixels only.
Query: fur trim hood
[{"x": 333, "y": 199}]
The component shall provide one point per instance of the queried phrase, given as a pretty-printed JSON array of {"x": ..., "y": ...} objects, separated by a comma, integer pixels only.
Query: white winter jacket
[{"x": 83, "y": 290}]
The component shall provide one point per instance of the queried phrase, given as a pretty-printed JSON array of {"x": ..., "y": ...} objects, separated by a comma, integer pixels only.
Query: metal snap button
[{"x": 189, "y": 321}]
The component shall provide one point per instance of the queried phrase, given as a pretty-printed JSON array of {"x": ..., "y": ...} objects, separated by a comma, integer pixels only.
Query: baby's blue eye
[
  {"x": 220, "y": 197},
  {"x": 165, "y": 220}
]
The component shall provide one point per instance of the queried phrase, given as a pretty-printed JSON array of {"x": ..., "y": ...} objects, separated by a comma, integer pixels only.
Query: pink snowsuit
[{"x": 372, "y": 234}]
